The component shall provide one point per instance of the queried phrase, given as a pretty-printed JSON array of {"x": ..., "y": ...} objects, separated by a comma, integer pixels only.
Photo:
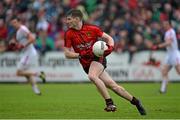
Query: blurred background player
[
  {"x": 81, "y": 37},
  {"x": 173, "y": 55},
  {"x": 24, "y": 43}
]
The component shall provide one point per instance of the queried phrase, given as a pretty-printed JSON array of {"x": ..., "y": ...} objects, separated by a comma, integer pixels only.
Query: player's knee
[
  {"x": 92, "y": 77},
  {"x": 111, "y": 85},
  {"x": 178, "y": 71},
  {"x": 120, "y": 88},
  {"x": 114, "y": 88},
  {"x": 164, "y": 72},
  {"x": 18, "y": 73}
]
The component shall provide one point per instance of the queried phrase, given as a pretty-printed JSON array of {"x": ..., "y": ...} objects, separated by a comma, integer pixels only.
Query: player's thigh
[
  {"x": 106, "y": 78},
  {"x": 27, "y": 61},
  {"x": 178, "y": 68},
  {"x": 23, "y": 64},
  {"x": 177, "y": 65},
  {"x": 165, "y": 69},
  {"x": 95, "y": 68}
]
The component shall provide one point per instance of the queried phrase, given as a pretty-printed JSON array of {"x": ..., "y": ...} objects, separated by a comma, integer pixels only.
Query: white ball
[{"x": 99, "y": 47}]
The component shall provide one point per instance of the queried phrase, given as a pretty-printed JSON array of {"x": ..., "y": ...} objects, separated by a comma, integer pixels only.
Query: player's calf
[
  {"x": 36, "y": 89},
  {"x": 178, "y": 68}
]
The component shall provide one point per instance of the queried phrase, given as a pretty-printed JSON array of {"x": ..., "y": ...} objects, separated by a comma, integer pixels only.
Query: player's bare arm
[
  {"x": 31, "y": 39},
  {"x": 110, "y": 43},
  {"x": 108, "y": 39},
  {"x": 165, "y": 44},
  {"x": 70, "y": 54}
]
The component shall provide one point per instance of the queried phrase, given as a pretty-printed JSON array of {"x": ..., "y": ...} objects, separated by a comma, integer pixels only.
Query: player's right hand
[
  {"x": 11, "y": 46},
  {"x": 154, "y": 47},
  {"x": 19, "y": 46},
  {"x": 109, "y": 50}
]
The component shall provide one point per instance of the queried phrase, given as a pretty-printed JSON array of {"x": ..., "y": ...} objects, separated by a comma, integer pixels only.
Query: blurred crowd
[{"x": 135, "y": 25}]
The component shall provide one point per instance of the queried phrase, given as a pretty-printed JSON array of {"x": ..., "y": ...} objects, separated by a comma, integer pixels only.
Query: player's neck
[
  {"x": 18, "y": 26},
  {"x": 169, "y": 28}
]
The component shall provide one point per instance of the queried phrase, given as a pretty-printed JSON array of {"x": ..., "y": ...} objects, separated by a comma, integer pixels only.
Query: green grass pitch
[{"x": 82, "y": 101}]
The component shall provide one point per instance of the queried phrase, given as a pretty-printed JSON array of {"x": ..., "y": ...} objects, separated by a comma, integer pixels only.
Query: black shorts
[{"x": 101, "y": 60}]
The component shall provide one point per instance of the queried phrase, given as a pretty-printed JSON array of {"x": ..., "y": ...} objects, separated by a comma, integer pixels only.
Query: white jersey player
[
  {"x": 29, "y": 57},
  {"x": 173, "y": 55},
  {"x": 29, "y": 53}
]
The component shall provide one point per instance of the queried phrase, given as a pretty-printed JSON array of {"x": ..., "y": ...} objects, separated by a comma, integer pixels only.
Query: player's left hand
[
  {"x": 109, "y": 50},
  {"x": 19, "y": 46},
  {"x": 154, "y": 47}
]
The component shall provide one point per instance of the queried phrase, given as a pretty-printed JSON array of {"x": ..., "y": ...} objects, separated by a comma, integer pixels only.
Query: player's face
[
  {"x": 165, "y": 25},
  {"x": 71, "y": 22},
  {"x": 15, "y": 23}
]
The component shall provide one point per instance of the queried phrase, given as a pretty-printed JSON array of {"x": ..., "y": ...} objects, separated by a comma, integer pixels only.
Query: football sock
[
  {"x": 35, "y": 89},
  {"x": 163, "y": 86},
  {"x": 109, "y": 101},
  {"x": 134, "y": 101}
]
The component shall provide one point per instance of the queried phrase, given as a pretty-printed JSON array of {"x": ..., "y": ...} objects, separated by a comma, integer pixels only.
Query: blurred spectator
[
  {"x": 91, "y": 5},
  {"x": 82, "y": 9},
  {"x": 42, "y": 23},
  {"x": 121, "y": 46},
  {"x": 148, "y": 43},
  {"x": 138, "y": 43},
  {"x": 37, "y": 4},
  {"x": 2, "y": 46},
  {"x": 59, "y": 41},
  {"x": 3, "y": 30},
  {"x": 134, "y": 24},
  {"x": 44, "y": 43}
]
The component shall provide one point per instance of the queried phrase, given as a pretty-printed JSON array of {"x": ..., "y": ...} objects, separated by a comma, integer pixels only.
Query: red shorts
[{"x": 86, "y": 63}]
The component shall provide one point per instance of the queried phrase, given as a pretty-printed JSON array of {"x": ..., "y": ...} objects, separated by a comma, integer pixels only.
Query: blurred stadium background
[{"x": 135, "y": 26}]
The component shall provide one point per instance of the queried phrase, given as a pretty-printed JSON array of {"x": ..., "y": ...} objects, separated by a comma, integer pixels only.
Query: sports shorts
[
  {"x": 172, "y": 59},
  {"x": 27, "y": 61},
  {"x": 101, "y": 60}
]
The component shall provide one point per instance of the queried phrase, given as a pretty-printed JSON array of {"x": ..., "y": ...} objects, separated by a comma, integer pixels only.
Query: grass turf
[{"x": 77, "y": 101}]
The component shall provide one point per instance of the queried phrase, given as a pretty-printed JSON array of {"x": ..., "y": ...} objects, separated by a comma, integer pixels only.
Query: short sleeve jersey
[
  {"x": 22, "y": 34},
  {"x": 22, "y": 38},
  {"x": 171, "y": 35},
  {"x": 82, "y": 40}
]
